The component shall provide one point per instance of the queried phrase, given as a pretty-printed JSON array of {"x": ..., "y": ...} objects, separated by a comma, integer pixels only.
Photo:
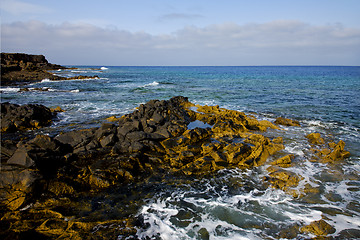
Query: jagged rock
[
  {"x": 151, "y": 143},
  {"x": 283, "y": 161},
  {"x": 335, "y": 152},
  {"x": 15, "y": 185},
  {"x": 77, "y": 139},
  {"x": 287, "y": 122},
  {"x": 57, "y": 109},
  {"x": 21, "y": 157},
  {"x": 8, "y": 148},
  {"x": 22, "y": 117},
  {"x": 284, "y": 180},
  {"x": 27, "y": 61},
  {"x": 319, "y": 228},
  {"x": 315, "y": 138},
  {"x": 20, "y": 68},
  {"x": 42, "y": 152}
]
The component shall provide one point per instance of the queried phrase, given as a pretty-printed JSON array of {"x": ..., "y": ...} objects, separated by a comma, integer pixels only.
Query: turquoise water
[
  {"x": 323, "y": 99},
  {"x": 330, "y": 95}
]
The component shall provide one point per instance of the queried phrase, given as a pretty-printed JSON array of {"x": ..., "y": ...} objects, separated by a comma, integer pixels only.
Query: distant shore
[{"x": 20, "y": 68}]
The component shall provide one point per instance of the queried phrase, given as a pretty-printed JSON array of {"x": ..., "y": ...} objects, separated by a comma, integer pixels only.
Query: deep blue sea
[{"x": 323, "y": 99}]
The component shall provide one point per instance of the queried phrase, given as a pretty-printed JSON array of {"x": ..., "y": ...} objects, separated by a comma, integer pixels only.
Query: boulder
[
  {"x": 76, "y": 139},
  {"x": 318, "y": 228},
  {"x": 15, "y": 186},
  {"x": 42, "y": 152},
  {"x": 21, "y": 157},
  {"x": 315, "y": 138},
  {"x": 287, "y": 122},
  {"x": 283, "y": 162},
  {"x": 23, "y": 117}
]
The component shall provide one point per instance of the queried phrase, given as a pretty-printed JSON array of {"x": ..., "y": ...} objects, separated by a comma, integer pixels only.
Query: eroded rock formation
[
  {"x": 21, "y": 68},
  {"x": 45, "y": 181}
]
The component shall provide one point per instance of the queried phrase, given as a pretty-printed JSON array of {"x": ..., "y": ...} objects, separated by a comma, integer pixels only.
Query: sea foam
[
  {"x": 154, "y": 83},
  {"x": 9, "y": 89}
]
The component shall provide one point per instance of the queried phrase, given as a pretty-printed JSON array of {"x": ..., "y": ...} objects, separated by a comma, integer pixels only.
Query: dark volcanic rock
[
  {"x": 22, "y": 117},
  {"x": 21, "y": 68},
  {"x": 21, "y": 61},
  {"x": 63, "y": 177},
  {"x": 44, "y": 153},
  {"x": 15, "y": 186}
]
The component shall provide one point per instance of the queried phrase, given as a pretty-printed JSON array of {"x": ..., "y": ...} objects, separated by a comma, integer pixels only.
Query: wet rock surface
[{"x": 63, "y": 187}]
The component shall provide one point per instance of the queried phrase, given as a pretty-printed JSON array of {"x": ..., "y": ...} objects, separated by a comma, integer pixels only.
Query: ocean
[{"x": 234, "y": 203}]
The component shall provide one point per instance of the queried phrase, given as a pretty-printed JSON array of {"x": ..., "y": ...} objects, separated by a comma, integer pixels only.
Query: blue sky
[{"x": 169, "y": 32}]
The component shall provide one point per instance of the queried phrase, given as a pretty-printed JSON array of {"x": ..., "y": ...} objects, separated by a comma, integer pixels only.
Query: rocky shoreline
[
  {"x": 20, "y": 68},
  {"x": 48, "y": 183}
]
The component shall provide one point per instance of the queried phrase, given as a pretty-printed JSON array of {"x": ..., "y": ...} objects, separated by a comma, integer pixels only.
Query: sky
[{"x": 184, "y": 33}]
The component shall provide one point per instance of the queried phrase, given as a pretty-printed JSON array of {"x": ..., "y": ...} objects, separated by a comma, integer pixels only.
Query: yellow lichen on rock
[
  {"x": 315, "y": 138},
  {"x": 60, "y": 188},
  {"x": 287, "y": 122},
  {"x": 318, "y": 228},
  {"x": 262, "y": 149},
  {"x": 112, "y": 119},
  {"x": 57, "y": 109},
  {"x": 336, "y": 152},
  {"x": 285, "y": 180},
  {"x": 283, "y": 162}
]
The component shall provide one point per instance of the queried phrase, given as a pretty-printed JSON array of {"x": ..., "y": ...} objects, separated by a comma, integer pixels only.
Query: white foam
[
  {"x": 342, "y": 222},
  {"x": 46, "y": 80},
  {"x": 304, "y": 218},
  {"x": 104, "y": 68},
  {"x": 158, "y": 215},
  {"x": 154, "y": 83},
  {"x": 296, "y": 149},
  {"x": 230, "y": 213},
  {"x": 9, "y": 89},
  {"x": 75, "y": 91}
]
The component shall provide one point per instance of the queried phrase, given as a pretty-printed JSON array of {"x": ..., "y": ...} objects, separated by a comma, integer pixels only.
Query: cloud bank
[{"x": 272, "y": 43}]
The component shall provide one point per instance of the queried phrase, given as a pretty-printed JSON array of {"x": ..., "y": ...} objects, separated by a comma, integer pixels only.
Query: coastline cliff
[{"x": 21, "y": 68}]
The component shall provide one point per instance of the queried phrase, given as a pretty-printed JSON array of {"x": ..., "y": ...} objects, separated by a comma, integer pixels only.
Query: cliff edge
[{"x": 20, "y": 68}]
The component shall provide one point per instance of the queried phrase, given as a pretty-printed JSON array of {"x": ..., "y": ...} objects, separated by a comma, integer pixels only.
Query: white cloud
[
  {"x": 273, "y": 43},
  {"x": 17, "y": 7}
]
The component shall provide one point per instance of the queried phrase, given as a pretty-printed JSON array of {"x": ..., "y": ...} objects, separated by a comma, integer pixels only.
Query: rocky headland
[
  {"x": 51, "y": 186},
  {"x": 21, "y": 68}
]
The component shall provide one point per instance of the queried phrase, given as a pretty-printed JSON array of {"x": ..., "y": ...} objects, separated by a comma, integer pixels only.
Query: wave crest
[{"x": 154, "y": 83}]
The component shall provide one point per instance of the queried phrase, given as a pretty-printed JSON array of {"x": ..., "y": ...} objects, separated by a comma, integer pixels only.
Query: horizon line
[{"x": 211, "y": 65}]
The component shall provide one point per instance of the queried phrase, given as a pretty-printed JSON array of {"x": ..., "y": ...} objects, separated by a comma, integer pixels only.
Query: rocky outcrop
[
  {"x": 24, "y": 117},
  {"x": 20, "y": 61},
  {"x": 327, "y": 152},
  {"x": 287, "y": 122},
  {"x": 48, "y": 178},
  {"x": 318, "y": 228},
  {"x": 21, "y": 68}
]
